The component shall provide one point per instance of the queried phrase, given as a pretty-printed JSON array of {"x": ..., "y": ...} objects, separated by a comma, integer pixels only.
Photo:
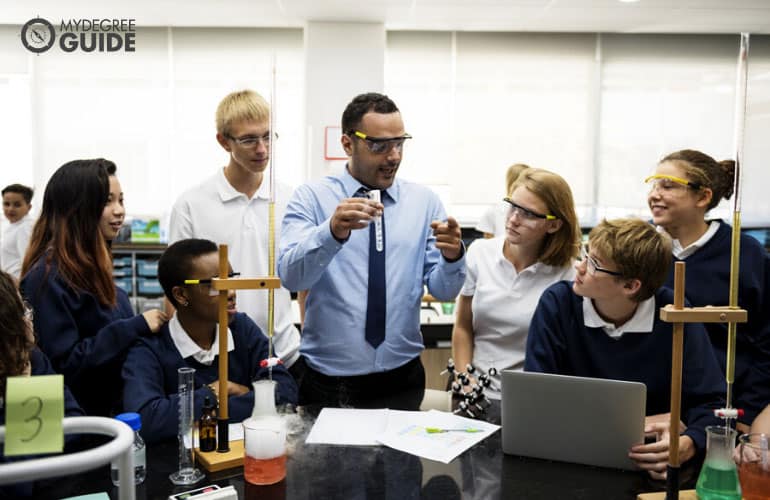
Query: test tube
[
  {"x": 374, "y": 194},
  {"x": 187, "y": 473}
]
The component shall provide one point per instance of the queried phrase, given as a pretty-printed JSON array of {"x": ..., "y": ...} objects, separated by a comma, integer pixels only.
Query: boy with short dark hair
[
  {"x": 190, "y": 339},
  {"x": 17, "y": 202},
  {"x": 606, "y": 325}
]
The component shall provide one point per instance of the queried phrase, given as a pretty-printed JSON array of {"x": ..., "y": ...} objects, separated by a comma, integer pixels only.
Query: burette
[
  {"x": 271, "y": 224},
  {"x": 740, "y": 125}
]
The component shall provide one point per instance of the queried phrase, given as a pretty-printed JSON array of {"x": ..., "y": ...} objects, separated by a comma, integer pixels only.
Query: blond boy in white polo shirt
[{"x": 231, "y": 207}]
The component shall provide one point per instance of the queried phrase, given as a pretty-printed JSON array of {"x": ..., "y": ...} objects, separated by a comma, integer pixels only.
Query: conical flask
[
  {"x": 264, "y": 438},
  {"x": 718, "y": 478}
]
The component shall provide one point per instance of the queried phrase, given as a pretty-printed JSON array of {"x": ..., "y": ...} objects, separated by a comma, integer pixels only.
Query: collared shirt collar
[
  {"x": 683, "y": 253},
  {"x": 535, "y": 268},
  {"x": 187, "y": 347},
  {"x": 227, "y": 192},
  {"x": 352, "y": 185},
  {"x": 641, "y": 322}
]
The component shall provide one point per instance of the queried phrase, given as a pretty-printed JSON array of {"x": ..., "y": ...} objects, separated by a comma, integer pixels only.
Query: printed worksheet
[{"x": 435, "y": 435}]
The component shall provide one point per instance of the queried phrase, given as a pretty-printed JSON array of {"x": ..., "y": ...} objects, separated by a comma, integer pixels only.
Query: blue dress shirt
[{"x": 336, "y": 274}]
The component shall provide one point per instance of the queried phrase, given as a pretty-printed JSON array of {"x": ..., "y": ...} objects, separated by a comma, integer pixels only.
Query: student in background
[
  {"x": 606, "y": 325},
  {"x": 507, "y": 275},
  {"x": 684, "y": 187},
  {"x": 67, "y": 278},
  {"x": 231, "y": 207},
  {"x": 20, "y": 357},
  {"x": 190, "y": 339},
  {"x": 17, "y": 202},
  {"x": 493, "y": 220},
  {"x": 329, "y": 248}
]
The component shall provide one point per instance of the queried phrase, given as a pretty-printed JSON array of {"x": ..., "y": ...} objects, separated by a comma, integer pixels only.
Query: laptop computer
[{"x": 572, "y": 419}]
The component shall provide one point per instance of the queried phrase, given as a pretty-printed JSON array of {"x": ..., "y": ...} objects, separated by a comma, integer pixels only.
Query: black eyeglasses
[
  {"x": 591, "y": 265},
  {"x": 525, "y": 213},
  {"x": 250, "y": 141},
  {"x": 380, "y": 145}
]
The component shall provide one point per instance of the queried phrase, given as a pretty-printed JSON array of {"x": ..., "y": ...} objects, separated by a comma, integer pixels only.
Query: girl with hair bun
[{"x": 685, "y": 186}]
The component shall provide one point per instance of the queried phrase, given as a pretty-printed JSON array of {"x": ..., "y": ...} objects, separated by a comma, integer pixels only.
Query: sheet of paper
[
  {"x": 406, "y": 431},
  {"x": 34, "y": 409},
  {"x": 348, "y": 426}
]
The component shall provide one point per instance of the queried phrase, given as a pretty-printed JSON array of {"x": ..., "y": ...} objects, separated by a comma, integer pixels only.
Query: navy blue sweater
[
  {"x": 40, "y": 366},
  {"x": 559, "y": 342},
  {"x": 85, "y": 340},
  {"x": 707, "y": 282},
  {"x": 151, "y": 380}
]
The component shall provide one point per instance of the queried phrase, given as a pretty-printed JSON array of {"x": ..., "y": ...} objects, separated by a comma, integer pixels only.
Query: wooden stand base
[
  {"x": 214, "y": 461},
  {"x": 683, "y": 495}
]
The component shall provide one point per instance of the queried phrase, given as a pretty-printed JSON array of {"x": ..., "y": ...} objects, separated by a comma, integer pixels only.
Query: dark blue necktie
[{"x": 375, "y": 306}]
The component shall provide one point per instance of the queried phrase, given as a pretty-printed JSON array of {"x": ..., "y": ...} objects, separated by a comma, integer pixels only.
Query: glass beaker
[
  {"x": 264, "y": 443},
  {"x": 718, "y": 478},
  {"x": 754, "y": 466}
]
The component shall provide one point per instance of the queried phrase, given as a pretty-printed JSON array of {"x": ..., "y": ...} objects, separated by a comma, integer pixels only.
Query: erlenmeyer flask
[
  {"x": 264, "y": 438},
  {"x": 718, "y": 478}
]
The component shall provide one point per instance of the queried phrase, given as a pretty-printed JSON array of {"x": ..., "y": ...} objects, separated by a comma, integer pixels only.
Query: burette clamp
[
  {"x": 728, "y": 413},
  {"x": 270, "y": 362}
]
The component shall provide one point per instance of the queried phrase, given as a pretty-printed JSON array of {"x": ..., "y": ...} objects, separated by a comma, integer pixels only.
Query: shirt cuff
[
  {"x": 327, "y": 238},
  {"x": 458, "y": 259}
]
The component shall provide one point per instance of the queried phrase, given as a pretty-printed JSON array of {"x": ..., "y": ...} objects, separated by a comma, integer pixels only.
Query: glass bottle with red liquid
[{"x": 264, "y": 460}]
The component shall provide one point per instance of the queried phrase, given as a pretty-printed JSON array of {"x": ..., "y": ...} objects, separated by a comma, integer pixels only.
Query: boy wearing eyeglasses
[
  {"x": 364, "y": 263},
  {"x": 190, "y": 339},
  {"x": 606, "y": 324},
  {"x": 232, "y": 208}
]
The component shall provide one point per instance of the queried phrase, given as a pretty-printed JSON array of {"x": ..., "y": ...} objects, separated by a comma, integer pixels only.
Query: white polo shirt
[
  {"x": 682, "y": 253},
  {"x": 14, "y": 245},
  {"x": 214, "y": 210},
  {"x": 641, "y": 322},
  {"x": 187, "y": 346},
  {"x": 503, "y": 304}
]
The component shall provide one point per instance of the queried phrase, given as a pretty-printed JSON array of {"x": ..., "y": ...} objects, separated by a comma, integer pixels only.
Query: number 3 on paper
[{"x": 34, "y": 409}]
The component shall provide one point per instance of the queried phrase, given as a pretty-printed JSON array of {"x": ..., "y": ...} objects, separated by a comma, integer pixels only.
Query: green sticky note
[{"x": 34, "y": 409}]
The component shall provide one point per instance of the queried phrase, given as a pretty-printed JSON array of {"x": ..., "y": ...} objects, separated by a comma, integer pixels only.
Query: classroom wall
[{"x": 600, "y": 109}]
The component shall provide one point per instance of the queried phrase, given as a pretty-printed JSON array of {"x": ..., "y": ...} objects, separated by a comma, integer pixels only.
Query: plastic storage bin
[
  {"x": 120, "y": 272},
  {"x": 121, "y": 261},
  {"x": 148, "y": 286},
  {"x": 147, "y": 268},
  {"x": 125, "y": 284}
]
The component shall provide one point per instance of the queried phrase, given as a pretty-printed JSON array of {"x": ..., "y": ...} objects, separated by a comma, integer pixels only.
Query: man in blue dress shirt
[{"x": 358, "y": 346}]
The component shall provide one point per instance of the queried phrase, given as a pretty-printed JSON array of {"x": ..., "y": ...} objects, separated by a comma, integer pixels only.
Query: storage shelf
[{"x": 136, "y": 271}]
